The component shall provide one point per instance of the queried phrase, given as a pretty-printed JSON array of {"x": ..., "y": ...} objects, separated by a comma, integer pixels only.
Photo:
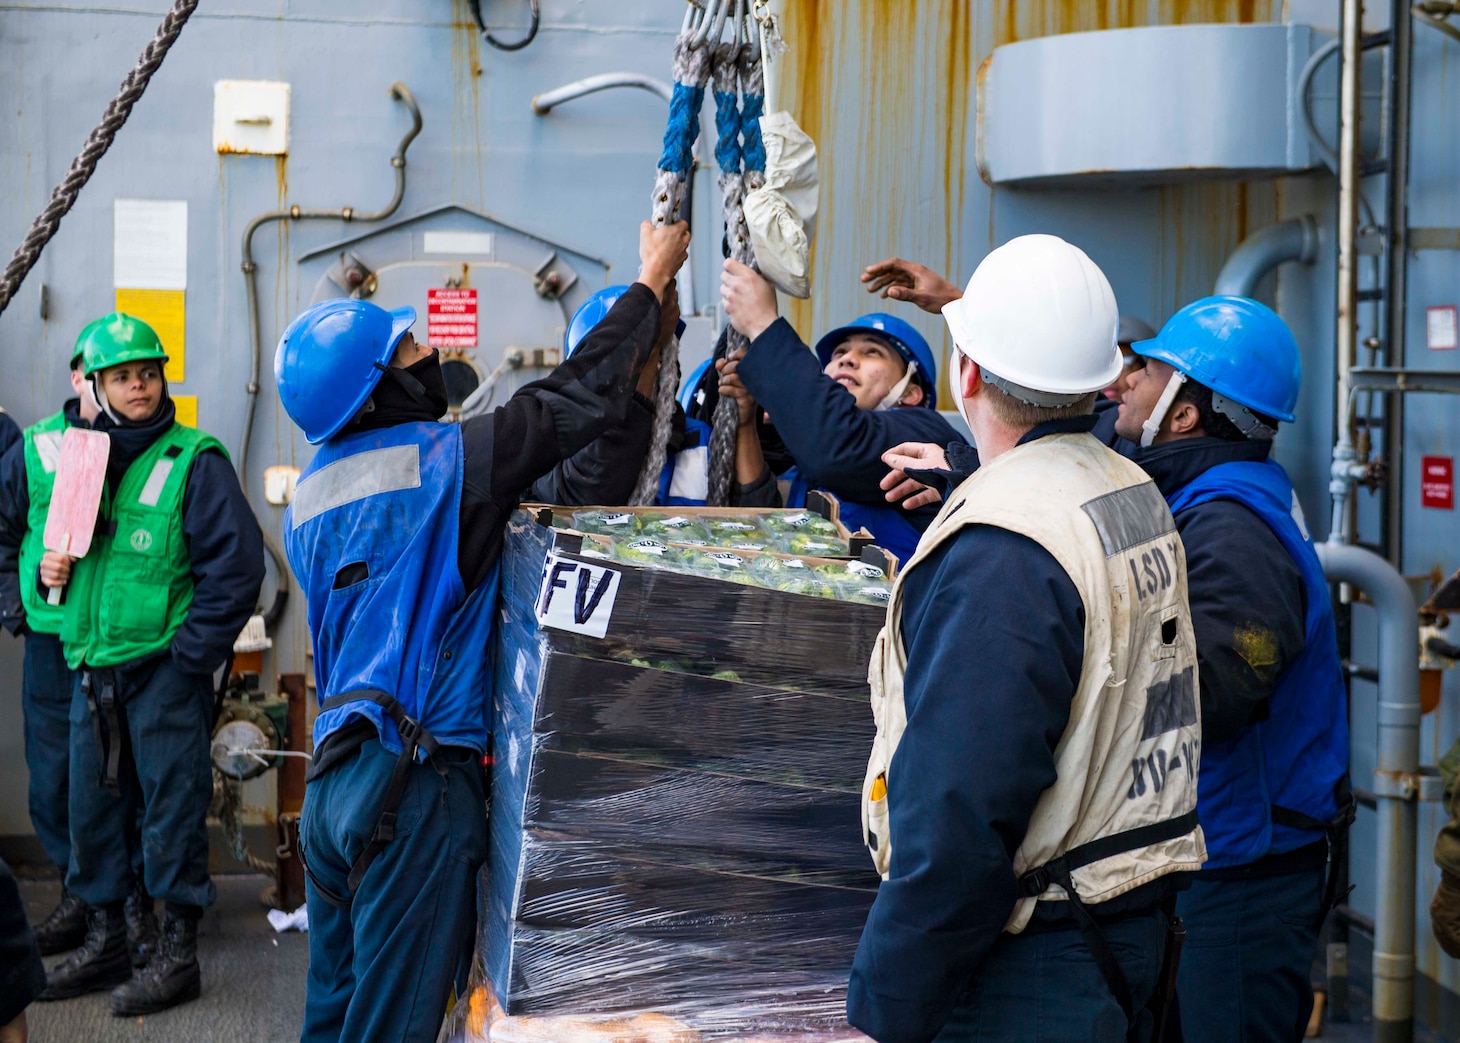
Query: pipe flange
[{"x": 1424, "y": 784}]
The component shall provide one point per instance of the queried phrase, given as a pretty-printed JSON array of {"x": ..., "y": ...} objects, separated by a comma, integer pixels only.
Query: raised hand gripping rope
[{"x": 676, "y": 167}]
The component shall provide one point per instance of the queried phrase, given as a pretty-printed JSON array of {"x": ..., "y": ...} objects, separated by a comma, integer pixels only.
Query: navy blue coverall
[
  {"x": 9, "y": 432},
  {"x": 988, "y": 689},
  {"x": 1251, "y": 930},
  {"x": 45, "y": 687},
  {"x": 22, "y": 975},
  {"x": 166, "y": 701},
  {"x": 383, "y": 968},
  {"x": 837, "y": 446}
]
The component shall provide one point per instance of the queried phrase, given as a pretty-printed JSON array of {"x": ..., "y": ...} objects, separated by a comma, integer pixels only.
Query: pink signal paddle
[{"x": 76, "y": 497}]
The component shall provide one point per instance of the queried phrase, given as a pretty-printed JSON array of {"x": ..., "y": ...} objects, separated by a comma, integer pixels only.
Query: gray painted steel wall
[{"x": 886, "y": 90}]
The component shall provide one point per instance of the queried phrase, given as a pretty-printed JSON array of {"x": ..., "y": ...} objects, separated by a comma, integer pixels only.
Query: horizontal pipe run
[
  {"x": 1379, "y": 378},
  {"x": 549, "y": 100}
]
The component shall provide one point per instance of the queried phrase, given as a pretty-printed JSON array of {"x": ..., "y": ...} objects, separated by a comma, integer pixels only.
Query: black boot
[
  {"x": 100, "y": 963},
  {"x": 141, "y": 927},
  {"x": 65, "y": 928},
  {"x": 170, "y": 977}
]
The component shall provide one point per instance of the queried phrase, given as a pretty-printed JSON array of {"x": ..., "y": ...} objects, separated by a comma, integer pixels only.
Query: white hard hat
[{"x": 1040, "y": 319}]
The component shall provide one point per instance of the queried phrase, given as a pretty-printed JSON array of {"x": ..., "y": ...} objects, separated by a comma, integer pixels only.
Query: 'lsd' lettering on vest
[{"x": 1130, "y": 753}]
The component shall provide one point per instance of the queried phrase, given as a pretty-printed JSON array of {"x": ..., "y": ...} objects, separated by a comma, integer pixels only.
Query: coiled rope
[
  {"x": 676, "y": 167},
  {"x": 84, "y": 165}
]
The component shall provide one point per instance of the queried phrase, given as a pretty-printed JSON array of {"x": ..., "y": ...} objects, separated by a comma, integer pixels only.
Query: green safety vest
[
  {"x": 42, "y": 453},
  {"x": 132, "y": 592}
]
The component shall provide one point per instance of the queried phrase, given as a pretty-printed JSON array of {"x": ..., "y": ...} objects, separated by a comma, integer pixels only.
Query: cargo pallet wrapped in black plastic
[{"x": 676, "y": 822}]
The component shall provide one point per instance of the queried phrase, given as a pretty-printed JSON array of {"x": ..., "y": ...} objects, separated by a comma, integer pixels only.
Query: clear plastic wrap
[
  {"x": 484, "y": 1021},
  {"x": 675, "y": 832},
  {"x": 680, "y": 621}
]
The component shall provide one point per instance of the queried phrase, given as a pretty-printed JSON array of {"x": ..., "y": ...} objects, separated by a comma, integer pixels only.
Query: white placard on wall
[{"x": 150, "y": 244}]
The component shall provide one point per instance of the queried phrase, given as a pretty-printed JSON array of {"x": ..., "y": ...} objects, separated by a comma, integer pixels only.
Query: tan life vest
[{"x": 1129, "y": 755}]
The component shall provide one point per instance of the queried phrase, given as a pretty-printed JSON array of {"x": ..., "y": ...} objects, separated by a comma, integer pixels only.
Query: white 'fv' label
[{"x": 576, "y": 596}]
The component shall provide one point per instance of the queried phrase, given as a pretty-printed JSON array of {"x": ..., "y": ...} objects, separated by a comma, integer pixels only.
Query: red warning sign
[
  {"x": 1437, "y": 482},
  {"x": 451, "y": 318}
]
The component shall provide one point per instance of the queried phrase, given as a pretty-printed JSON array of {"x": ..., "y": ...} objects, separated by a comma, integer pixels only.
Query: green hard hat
[
  {"x": 117, "y": 338},
  {"x": 79, "y": 352}
]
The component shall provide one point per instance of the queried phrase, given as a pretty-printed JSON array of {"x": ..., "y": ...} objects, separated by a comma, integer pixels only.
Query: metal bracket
[
  {"x": 1371, "y": 241},
  {"x": 553, "y": 277},
  {"x": 1424, "y": 784},
  {"x": 1378, "y": 378},
  {"x": 1434, "y": 239}
]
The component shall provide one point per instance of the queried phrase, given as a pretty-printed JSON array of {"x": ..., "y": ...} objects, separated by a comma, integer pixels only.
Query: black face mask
[{"x": 405, "y": 396}]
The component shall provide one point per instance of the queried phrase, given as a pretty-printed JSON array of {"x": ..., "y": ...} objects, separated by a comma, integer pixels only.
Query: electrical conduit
[
  {"x": 401, "y": 93},
  {"x": 1346, "y": 468}
]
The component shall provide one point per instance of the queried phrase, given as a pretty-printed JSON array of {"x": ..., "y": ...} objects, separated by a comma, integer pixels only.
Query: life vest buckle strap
[
  {"x": 1035, "y": 882},
  {"x": 1108, "y": 847},
  {"x": 384, "y": 828},
  {"x": 411, "y": 732},
  {"x": 1335, "y": 830}
]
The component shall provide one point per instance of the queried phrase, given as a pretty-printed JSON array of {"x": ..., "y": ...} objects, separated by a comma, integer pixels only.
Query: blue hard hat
[
  {"x": 901, "y": 335},
  {"x": 591, "y": 313},
  {"x": 689, "y": 387},
  {"x": 1238, "y": 347},
  {"x": 330, "y": 359}
]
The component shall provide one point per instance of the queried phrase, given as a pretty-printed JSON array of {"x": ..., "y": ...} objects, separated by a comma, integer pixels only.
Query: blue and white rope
[{"x": 676, "y": 167}]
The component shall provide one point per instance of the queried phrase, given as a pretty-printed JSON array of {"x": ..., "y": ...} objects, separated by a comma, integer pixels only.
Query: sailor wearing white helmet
[{"x": 1031, "y": 795}]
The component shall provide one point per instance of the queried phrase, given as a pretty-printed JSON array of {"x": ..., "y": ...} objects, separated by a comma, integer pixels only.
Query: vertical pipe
[
  {"x": 291, "y": 773},
  {"x": 1396, "y": 258},
  {"x": 1348, "y": 208},
  {"x": 289, "y": 873},
  {"x": 1398, "y": 760},
  {"x": 1346, "y": 326}
]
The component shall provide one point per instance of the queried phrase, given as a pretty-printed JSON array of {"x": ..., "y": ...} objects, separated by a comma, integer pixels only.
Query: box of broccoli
[{"x": 680, "y": 729}]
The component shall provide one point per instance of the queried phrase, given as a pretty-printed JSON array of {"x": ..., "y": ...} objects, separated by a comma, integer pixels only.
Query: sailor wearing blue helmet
[
  {"x": 870, "y": 385},
  {"x": 395, "y": 535}
]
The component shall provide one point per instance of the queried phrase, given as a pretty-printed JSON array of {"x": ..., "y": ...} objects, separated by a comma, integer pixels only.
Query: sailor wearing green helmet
[
  {"x": 26, "y": 478},
  {"x": 150, "y": 613}
]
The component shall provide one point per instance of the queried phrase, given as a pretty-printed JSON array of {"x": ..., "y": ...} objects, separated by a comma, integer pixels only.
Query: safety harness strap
[
  {"x": 1336, "y": 830},
  {"x": 413, "y": 737},
  {"x": 100, "y": 688},
  {"x": 1057, "y": 871},
  {"x": 1034, "y": 883}
]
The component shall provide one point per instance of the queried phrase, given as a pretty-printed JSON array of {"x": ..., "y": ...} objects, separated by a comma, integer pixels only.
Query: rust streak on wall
[
  {"x": 468, "y": 173},
  {"x": 1025, "y": 19},
  {"x": 806, "y": 79},
  {"x": 958, "y": 107},
  {"x": 886, "y": 89}
]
